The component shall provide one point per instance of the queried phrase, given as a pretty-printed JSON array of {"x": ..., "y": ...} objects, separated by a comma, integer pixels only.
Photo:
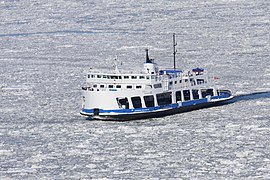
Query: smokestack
[{"x": 147, "y": 57}]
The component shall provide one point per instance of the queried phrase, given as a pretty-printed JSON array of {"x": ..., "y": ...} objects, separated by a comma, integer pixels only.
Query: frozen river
[{"x": 47, "y": 46}]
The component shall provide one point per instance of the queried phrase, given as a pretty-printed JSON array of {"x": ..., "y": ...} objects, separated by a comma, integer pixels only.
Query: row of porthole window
[
  {"x": 116, "y": 86},
  {"x": 119, "y": 77},
  {"x": 193, "y": 82},
  {"x": 139, "y": 86},
  {"x": 199, "y": 81}
]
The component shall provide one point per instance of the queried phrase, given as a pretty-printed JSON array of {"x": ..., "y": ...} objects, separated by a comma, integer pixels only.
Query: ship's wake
[{"x": 251, "y": 96}]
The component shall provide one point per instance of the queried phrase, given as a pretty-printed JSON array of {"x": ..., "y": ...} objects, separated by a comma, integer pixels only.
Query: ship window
[
  {"x": 157, "y": 85},
  {"x": 147, "y": 77},
  {"x": 180, "y": 81},
  {"x": 102, "y": 86},
  {"x": 152, "y": 77},
  {"x": 104, "y": 77},
  {"x": 203, "y": 93},
  {"x": 136, "y": 101},
  {"x": 88, "y": 75},
  {"x": 178, "y": 96},
  {"x": 126, "y": 77},
  {"x": 200, "y": 81},
  {"x": 148, "y": 86},
  {"x": 110, "y": 86},
  {"x": 186, "y": 80},
  {"x": 193, "y": 82},
  {"x": 92, "y": 76},
  {"x": 149, "y": 101},
  {"x": 122, "y": 103},
  {"x": 98, "y": 76},
  {"x": 186, "y": 95},
  {"x": 164, "y": 98},
  {"x": 129, "y": 87},
  {"x": 133, "y": 77},
  {"x": 94, "y": 85},
  {"x": 210, "y": 92},
  {"x": 175, "y": 82},
  {"x": 142, "y": 77},
  {"x": 170, "y": 82},
  {"x": 114, "y": 77},
  {"x": 195, "y": 94},
  {"x": 207, "y": 92},
  {"x": 118, "y": 86},
  {"x": 138, "y": 87}
]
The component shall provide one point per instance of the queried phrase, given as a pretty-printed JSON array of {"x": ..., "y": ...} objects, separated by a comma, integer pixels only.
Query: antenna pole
[{"x": 174, "y": 50}]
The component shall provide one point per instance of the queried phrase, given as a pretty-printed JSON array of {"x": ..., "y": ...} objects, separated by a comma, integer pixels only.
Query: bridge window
[
  {"x": 110, "y": 86},
  {"x": 98, "y": 76},
  {"x": 138, "y": 87},
  {"x": 133, "y": 77},
  {"x": 102, "y": 86},
  {"x": 178, "y": 96},
  {"x": 149, "y": 101},
  {"x": 186, "y": 94},
  {"x": 164, "y": 98},
  {"x": 136, "y": 101},
  {"x": 118, "y": 86},
  {"x": 126, "y": 77},
  {"x": 129, "y": 87}
]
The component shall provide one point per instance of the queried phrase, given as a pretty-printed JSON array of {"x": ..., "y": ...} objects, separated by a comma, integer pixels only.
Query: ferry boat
[{"x": 150, "y": 94}]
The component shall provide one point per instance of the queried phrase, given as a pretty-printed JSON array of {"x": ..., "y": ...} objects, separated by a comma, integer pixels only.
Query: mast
[{"x": 174, "y": 50}]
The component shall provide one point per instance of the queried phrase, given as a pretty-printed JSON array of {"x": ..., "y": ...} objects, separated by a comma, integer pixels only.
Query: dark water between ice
[{"x": 47, "y": 46}]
